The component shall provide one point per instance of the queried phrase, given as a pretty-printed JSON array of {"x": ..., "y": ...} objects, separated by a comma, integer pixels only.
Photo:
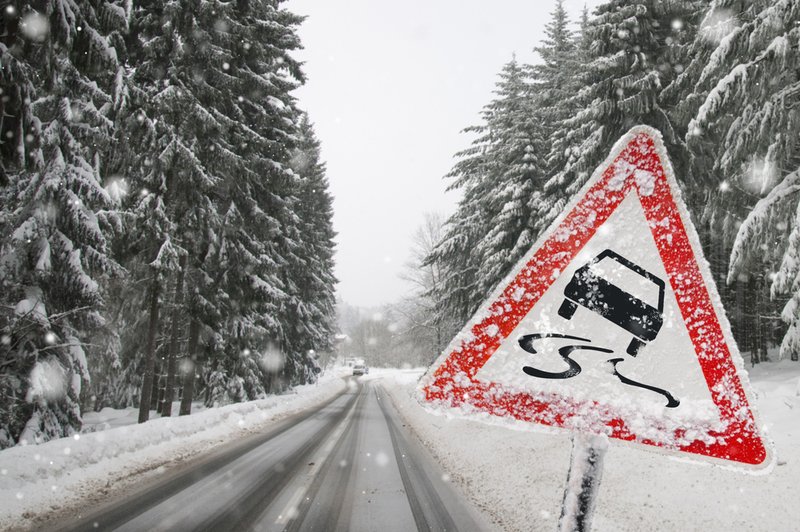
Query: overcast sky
[{"x": 390, "y": 86}]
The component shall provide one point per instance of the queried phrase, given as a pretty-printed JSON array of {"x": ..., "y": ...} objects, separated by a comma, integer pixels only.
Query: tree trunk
[
  {"x": 762, "y": 310},
  {"x": 158, "y": 387},
  {"x": 150, "y": 354},
  {"x": 738, "y": 316},
  {"x": 189, "y": 368},
  {"x": 172, "y": 354},
  {"x": 754, "y": 317}
]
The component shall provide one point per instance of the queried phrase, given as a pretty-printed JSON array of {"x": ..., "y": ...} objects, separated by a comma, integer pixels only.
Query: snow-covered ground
[
  {"x": 517, "y": 476},
  {"x": 514, "y": 476},
  {"x": 109, "y": 418},
  {"x": 47, "y": 477}
]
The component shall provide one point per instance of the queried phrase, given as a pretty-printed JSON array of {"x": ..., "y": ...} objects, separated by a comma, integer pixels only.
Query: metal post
[{"x": 583, "y": 482}]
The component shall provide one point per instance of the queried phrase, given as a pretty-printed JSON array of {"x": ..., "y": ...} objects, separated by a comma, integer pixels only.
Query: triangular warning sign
[{"x": 611, "y": 324}]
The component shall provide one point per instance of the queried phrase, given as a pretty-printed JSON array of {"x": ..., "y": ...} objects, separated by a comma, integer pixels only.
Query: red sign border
[{"x": 453, "y": 381}]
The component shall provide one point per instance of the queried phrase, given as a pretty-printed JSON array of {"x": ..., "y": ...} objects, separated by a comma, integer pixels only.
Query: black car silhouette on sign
[{"x": 596, "y": 293}]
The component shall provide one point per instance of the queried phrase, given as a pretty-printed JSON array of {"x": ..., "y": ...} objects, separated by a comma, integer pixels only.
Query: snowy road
[{"x": 348, "y": 465}]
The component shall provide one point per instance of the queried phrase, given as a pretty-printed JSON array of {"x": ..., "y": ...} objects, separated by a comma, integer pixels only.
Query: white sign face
[
  {"x": 667, "y": 362},
  {"x": 611, "y": 323}
]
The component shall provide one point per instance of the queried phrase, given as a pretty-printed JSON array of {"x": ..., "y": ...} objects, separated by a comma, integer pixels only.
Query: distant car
[
  {"x": 360, "y": 369},
  {"x": 596, "y": 293}
]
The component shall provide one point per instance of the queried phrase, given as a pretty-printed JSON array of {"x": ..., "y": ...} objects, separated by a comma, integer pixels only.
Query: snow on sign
[{"x": 611, "y": 324}]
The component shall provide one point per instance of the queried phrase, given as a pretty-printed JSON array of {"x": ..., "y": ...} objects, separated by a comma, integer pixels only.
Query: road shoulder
[{"x": 39, "y": 483}]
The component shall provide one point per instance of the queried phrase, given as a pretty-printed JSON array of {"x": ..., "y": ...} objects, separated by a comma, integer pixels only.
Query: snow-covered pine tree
[
  {"x": 215, "y": 79},
  {"x": 556, "y": 81},
  {"x": 243, "y": 332},
  {"x": 514, "y": 145},
  {"x": 312, "y": 308},
  {"x": 564, "y": 55},
  {"x": 718, "y": 206},
  {"x": 53, "y": 248},
  {"x": 497, "y": 175},
  {"x": 456, "y": 294},
  {"x": 216, "y": 393},
  {"x": 264, "y": 192},
  {"x": 183, "y": 106},
  {"x": 744, "y": 134},
  {"x": 250, "y": 266},
  {"x": 634, "y": 51}
]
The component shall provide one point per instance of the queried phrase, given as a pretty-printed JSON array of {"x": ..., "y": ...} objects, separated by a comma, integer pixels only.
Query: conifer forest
[
  {"x": 166, "y": 220},
  {"x": 719, "y": 80}
]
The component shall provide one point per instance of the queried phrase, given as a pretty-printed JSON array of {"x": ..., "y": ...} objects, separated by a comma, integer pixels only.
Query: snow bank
[
  {"x": 516, "y": 476},
  {"x": 35, "y": 479}
]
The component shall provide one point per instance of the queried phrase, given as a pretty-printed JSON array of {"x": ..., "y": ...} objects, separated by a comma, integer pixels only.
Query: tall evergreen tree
[
  {"x": 497, "y": 174},
  {"x": 743, "y": 138},
  {"x": 634, "y": 52},
  {"x": 53, "y": 249},
  {"x": 215, "y": 80},
  {"x": 563, "y": 54},
  {"x": 556, "y": 80},
  {"x": 312, "y": 307},
  {"x": 515, "y": 148},
  {"x": 503, "y": 172},
  {"x": 456, "y": 295},
  {"x": 717, "y": 205}
]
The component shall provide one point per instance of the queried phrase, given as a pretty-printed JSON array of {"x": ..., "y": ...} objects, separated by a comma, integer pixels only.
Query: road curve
[{"x": 349, "y": 465}]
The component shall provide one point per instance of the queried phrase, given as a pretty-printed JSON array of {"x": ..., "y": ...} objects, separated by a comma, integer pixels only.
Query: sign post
[
  {"x": 611, "y": 324},
  {"x": 583, "y": 482}
]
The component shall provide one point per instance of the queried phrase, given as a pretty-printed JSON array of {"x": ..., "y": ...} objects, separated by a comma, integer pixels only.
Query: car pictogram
[{"x": 593, "y": 291}]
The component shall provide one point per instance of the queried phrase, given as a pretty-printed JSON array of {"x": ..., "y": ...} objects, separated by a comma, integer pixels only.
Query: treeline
[
  {"x": 720, "y": 80},
  {"x": 164, "y": 214},
  {"x": 407, "y": 332}
]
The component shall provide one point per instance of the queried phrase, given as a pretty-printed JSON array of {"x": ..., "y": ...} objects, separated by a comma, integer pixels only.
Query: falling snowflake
[
  {"x": 34, "y": 26},
  {"x": 48, "y": 381},
  {"x": 273, "y": 359}
]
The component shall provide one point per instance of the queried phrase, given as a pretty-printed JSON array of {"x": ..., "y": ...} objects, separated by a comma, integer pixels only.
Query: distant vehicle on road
[
  {"x": 360, "y": 369},
  {"x": 590, "y": 289}
]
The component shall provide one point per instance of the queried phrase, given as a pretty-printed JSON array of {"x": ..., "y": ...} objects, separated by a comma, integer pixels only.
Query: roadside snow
[
  {"x": 516, "y": 476},
  {"x": 35, "y": 479},
  {"x": 109, "y": 418}
]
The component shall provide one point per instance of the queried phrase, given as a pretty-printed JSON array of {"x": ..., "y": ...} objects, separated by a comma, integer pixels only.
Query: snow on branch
[
  {"x": 753, "y": 225},
  {"x": 168, "y": 255},
  {"x": 725, "y": 90}
]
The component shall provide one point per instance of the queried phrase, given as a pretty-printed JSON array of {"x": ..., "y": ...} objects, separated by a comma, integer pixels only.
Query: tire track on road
[
  {"x": 251, "y": 504},
  {"x": 429, "y": 511},
  {"x": 322, "y": 510},
  {"x": 155, "y": 491}
]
